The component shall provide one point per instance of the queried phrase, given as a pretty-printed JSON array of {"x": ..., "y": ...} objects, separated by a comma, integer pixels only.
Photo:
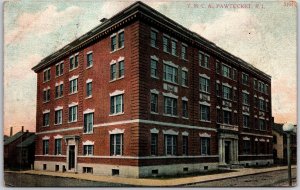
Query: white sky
[{"x": 264, "y": 36}]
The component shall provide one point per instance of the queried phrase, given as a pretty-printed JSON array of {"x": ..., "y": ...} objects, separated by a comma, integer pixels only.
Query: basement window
[
  {"x": 87, "y": 170},
  {"x": 154, "y": 172},
  {"x": 44, "y": 166},
  {"x": 56, "y": 168},
  {"x": 115, "y": 172},
  {"x": 185, "y": 169},
  {"x": 205, "y": 167}
]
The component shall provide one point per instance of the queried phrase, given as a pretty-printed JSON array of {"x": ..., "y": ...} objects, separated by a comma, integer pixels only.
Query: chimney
[
  {"x": 103, "y": 19},
  {"x": 11, "y": 131},
  {"x": 22, "y": 129}
]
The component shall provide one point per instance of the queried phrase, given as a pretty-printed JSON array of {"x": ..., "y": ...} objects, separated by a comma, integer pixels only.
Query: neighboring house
[
  {"x": 140, "y": 95},
  {"x": 19, "y": 150},
  {"x": 280, "y": 144}
]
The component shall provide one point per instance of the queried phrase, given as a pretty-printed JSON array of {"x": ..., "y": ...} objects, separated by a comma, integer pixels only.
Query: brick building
[{"x": 141, "y": 95}]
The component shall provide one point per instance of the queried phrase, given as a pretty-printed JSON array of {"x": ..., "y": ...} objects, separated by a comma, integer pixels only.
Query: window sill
[
  {"x": 113, "y": 80},
  {"x": 246, "y": 104},
  {"x": 185, "y": 59},
  {"x": 73, "y": 69},
  {"x": 154, "y": 47},
  {"x": 206, "y": 121},
  {"x": 184, "y": 86},
  {"x": 88, "y": 133},
  {"x": 204, "y": 92},
  {"x": 171, "y": 82},
  {"x": 168, "y": 115},
  {"x": 57, "y": 124},
  {"x": 46, "y": 126},
  {"x": 204, "y": 67},
  {"x": 116, "y": 114},
  {"x": 166, "y": 52},
  {"x": 44, "y": 102},
  {"x": 57, "y": 98},
  {"x": 185, "y": 118},
  {"x": 46, "y": 81},
  {"x": 56, "y": 76},
  {"x": 88, "y": 97},
  {"x": 155, "y": 113},
  {"x": 89, "y": 67},
  {"x": 73, "y": 93},
  {"x": 117, "y": 49},
  {"x": 154, "y": 77},
  {"x": 72, "y": 121}
]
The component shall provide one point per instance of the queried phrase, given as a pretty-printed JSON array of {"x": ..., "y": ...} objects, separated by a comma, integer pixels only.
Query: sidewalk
[{"x": 158, "y": 182}]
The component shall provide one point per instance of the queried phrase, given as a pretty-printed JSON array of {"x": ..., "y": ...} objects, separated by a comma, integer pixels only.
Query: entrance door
[
  {"x": 71, "y": 157},
  {"x": 227, "y": 152}
]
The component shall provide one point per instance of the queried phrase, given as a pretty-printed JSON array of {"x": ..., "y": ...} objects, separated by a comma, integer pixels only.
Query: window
[
  {"x": 205, "y": 145},
  {"x": 154, "y": 138},
  {"x": 170, "y": 105},
  {"x": 154, "y": 103},
  {"x": 255, "y": 84},
  {"x": 113, "y": 43},
  {"x": 73, "y": 86},
  {"x": 183, "y": 52},
  {"x": 204, "y": 84},
  {"x": 262, "y": 105},
  {"x": 113, "y": 71},
  {"x": 218, "y": 67},
  {"x": 121, "y": 69},
  {"x": 204, "y": 113},
  {"x": 174, "y": 47},
  {"x": 57, "y": 143},
  {"x": 185, "y": 109},
  {"x": 226, "y": 71},
  {"x": 219, "y": 116},
  {"x": 246, "y": 121},
  {"x": 121, "y": 39},
  {"x": 246, "y": 98},
  {"x": 203, "y": 60},
  {"x": 166, "y": 44},
  {"x": 184, "y": 78},
  {"x": 262, "y": 125},
  {"x": 266, "y": 89},
  {"x": 274, "y": 139},
  {"x": 154, "y": 68},
  {"x": 170, "y": 144},
  {"x": 226, "y": 92},
  {"x": 59, "y": 69},
  {"x": 246, "y": 147},
  {"x": 88, "y": 150},
  {"x": 266, "y": 106},
  {"x": 89, "y": 89},
  {"x": 218, "y": 89},
  {"x": 47, "y": 75},
  {"x": 59, "y": 91},
  {"x": 227, "y": 117},
  {"x": 46, "y": 119},
  {"x": 116, "y": 144},
  {"x": 170, "y": 73},
  {"x": 46, "y": 95},
  {"x": 116, "y": 104},
  {"x": 234, "y": 74},
  {"x": 58, "y": 117},
  {"x": 45, "y": 147},
  {"x": 185, "y": 145},
  {"x": 89, "y": 59},
  {"x": 245, "y": 79},
  {"x": 153, "y": 38},
  {"x": 74, "y": 62},
  {"x": 73, "y": 113},
  {"x": 88, "y": 122}
]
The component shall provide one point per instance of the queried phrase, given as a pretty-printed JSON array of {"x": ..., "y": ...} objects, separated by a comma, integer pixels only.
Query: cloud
[{"x": 40, "y": 23}]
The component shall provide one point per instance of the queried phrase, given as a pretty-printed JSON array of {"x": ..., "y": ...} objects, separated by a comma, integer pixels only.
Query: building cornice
[{"x": 140, "y": 10}]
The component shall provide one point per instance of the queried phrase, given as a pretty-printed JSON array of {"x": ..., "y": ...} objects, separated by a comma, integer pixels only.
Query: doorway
[
  {"x": 227, "y": 152},
  {"x": 71, "y": 157}
]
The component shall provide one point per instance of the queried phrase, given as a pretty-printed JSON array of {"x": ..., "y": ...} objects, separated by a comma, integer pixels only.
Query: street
[{"x": 274, "y": 179}]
